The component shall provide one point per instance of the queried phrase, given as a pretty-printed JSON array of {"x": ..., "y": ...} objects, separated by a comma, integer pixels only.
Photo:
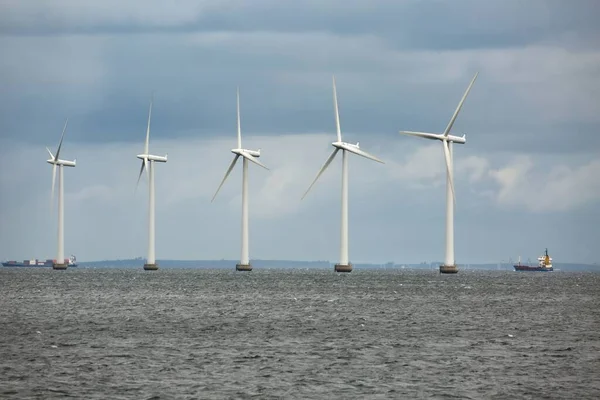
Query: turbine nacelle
[
  {"x": 437, "y": 136},
  {"x": 150, "y": 157},
  {"x": 355, "y": 149},
  {"x": 253, "y": 153},
  {"x": 64, "y": 163},
  {"x": 342, "y": 145}
]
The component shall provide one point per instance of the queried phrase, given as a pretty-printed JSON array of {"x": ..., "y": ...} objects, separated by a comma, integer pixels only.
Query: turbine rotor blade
[
  {"x": 363, "y": 153},
  {"x": 226, "y": 175},
  {"x": 49, "y": 152},
  {"x": 337, "y": 113},
  {"x": 61, "y": 139},
  {"x": 141, "y": 172},
  {"x": 460, "y": 106},
  {"x": 147, "y": 142},
  {"x": 239, "y": 127},
  {"x": 250, "y": 157},
  {"x": 426, "y": 135},
  {"x": 323, "y": 168},
  {"x": 448, "y": 173}
]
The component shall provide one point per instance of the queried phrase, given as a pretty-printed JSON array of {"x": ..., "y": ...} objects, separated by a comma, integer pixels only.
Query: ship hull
[
  {"x": 529, "y": 268},
  {"x": 35, "y": 264}
]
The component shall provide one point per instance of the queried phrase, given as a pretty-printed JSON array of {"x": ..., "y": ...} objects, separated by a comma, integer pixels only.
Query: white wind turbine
[
  {"x": 59, "y": 263},
  {"x": 247, "y": 155},
  {"x": 148, "y": 161},
  {"x": 447, "y": 140},
  {"x": 344, "y": 265}
]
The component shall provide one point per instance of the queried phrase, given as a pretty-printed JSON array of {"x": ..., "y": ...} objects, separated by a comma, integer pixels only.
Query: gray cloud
[
  {"x": 286, "y": 89},
  {"x": 413, "y": 24}
]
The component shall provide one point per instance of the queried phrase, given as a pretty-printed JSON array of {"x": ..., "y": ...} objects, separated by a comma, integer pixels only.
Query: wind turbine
[
  {"x": 449, "y": 265},
  {"x": 344, "y": 265},
  {"x": 148, "y": 161},
  {"x": 60, "y": 262},
  {"x": 247, "y": 155}
]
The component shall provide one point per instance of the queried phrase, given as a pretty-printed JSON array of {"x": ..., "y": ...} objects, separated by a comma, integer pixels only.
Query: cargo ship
[
  {"x": 544, "y": 264},
  {"x": 71, "y": 262}
]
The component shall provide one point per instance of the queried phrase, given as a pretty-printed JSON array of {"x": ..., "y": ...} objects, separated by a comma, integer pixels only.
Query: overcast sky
[{"x": 527, "y": 178}]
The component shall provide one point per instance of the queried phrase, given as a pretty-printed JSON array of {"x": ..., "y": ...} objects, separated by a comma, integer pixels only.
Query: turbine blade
[
  {"x": 323, "y": 168},
  {"x": 49, "y": 152},
  {"x": 226, "y": 175},
  {"x": 432, "y": 136},
  {"x": 147, "y": 142},
  {"x": 362, "y": 153},
  {"x": 61, "y": 139},
  {"x": 459, "y": 106},
  {"x": 53, "y": 184},
  {"x": 250, "y": 157},
  {"x": 239, "y": 127},
  {"x": 448, "y": 173},
  {"x": 141, "y": 172},
  {"x": 337, "y": 113}
]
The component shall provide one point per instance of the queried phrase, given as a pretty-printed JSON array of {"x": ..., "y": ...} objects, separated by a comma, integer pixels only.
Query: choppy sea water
[{"x": 176, "y": 333}]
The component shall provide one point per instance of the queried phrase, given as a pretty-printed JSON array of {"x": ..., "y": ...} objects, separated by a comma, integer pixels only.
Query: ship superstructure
[{"x": 544, "y": 264}]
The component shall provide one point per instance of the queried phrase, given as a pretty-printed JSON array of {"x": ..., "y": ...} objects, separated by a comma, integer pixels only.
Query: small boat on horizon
[{"x": 544, "y": 264}]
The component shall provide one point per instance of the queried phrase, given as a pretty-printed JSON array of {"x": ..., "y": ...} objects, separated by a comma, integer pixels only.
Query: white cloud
[
  {"x": 100, "y": 199},
  {"x": 543, "y": 187},
  {"x": 474, "y": 167}
]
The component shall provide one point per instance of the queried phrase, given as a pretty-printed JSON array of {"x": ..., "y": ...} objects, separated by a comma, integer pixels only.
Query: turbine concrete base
[
  {"x": 243, "y": 267},
  {"x": 150, "y": 267},
  {"x": 59, "y": 266},
  {"x": 343, "y": 267},
  {"x": 448, "y": 269}
]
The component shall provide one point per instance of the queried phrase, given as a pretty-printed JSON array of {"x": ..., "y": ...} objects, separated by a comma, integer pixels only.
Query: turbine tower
[
  {"x": 148, "y": 161},
  {"x": 449, "y": 266},
  {"x": 60, "y": 262},
  {"x": 247, "y": 155},
  {"x": 344, "y": 264}
]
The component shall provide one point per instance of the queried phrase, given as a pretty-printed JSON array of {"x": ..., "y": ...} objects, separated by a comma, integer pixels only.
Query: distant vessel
[
  {"x": 544, "y": 264},
  {"x": 71, "y": 262}
]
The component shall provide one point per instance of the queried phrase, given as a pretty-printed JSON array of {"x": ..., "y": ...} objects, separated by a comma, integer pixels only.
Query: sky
[{"x": 527, "y": 178}]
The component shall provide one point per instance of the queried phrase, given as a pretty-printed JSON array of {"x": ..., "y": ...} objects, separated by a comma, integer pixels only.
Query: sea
[{"x": 298, "y": 334}]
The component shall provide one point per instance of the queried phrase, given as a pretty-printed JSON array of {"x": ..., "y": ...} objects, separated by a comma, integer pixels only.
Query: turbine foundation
[
  {"x": 150, "y": 267},
  {"x": 243, "y": 267},
  {"x": 448, "y": 269},
  {"x": 343, "y": 267},
  {"x": 59, "y": 266}
]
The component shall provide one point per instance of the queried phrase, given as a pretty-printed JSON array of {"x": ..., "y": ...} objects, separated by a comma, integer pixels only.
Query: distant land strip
[{"x": 291, "y": 264}]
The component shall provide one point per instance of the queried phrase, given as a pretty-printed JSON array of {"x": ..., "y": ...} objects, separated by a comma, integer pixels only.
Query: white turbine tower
[
  {"x": 247, "y": 155},
  {"x": 148, "y": 161},
  {"x": 60, "y": 262},
  {"x": 344, "y": 265},
  {"x": 449, "y": 265}
]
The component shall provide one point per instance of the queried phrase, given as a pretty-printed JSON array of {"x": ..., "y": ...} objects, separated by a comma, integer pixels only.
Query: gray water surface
[{"x": 177, "y": 333}]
